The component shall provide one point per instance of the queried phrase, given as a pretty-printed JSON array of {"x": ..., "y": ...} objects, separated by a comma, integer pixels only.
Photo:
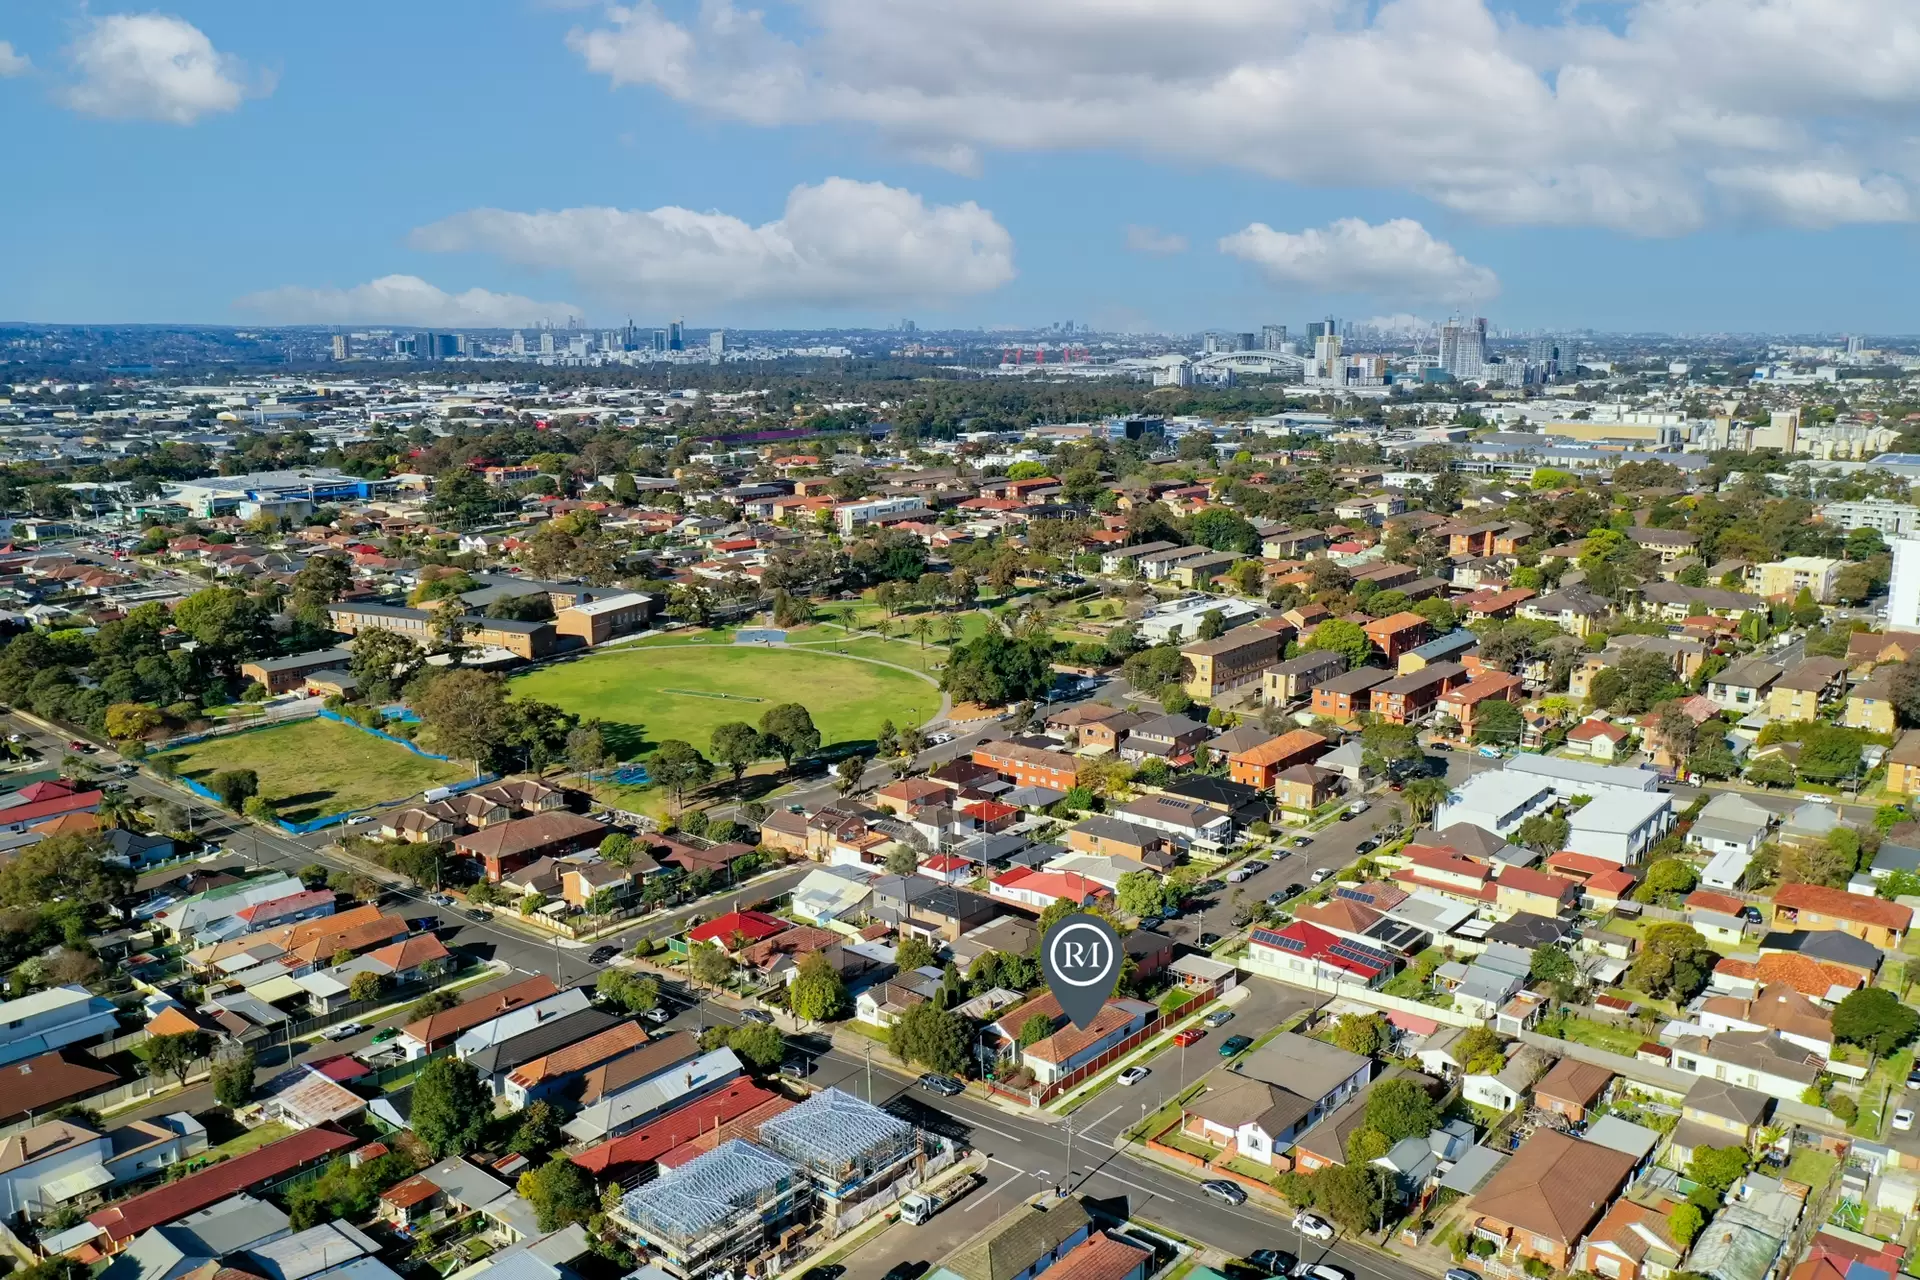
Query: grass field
[
  {"x": 318, "y": 767},
  {"x": 648, "y": 693}
]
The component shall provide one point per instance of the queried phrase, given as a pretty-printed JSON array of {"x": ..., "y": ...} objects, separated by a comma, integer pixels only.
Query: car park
[
  {"x": 1133, "y": 1075},
  {"x": 1225, "y": 1192},
  {"x": 945, "y": 1086},
  {"x": 1313, "y": 1226},
  {"x": 1234, "y": 1044},
  {"x": 1276, "y": 1262}
]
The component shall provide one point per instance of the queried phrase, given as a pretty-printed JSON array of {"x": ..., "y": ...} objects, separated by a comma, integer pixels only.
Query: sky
[{"x": 1683, "y": 166}]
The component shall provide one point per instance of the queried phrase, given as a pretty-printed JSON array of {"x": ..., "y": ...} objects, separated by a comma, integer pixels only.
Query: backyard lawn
[
  {"x": 318, "y": 767},
  {"x": 649, "y": 693}
]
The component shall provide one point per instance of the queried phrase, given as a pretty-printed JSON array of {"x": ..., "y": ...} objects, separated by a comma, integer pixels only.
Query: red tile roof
[
  {"x": 1708, "y": 900},
  {"x": 1100, "y": 1257},
  {"x": 755, "y": 926},
  {"x": 44, "y": 809},
  {"x": 209, "y": 1186},
  {"x": 443, "y": 1028},
  {"x": 1527, "y": 880},
  {"x": 647, "y": 1144},
  {"x": 1841, "y": 905}
]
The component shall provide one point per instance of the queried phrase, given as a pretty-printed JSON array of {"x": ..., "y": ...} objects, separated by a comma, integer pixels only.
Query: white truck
[{"x": 922, "y": 1205}]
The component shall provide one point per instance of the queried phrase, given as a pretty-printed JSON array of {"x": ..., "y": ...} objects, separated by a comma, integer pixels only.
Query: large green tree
[
  {"x": 1876, "y": 1020},
  {"x": 935, "y": 1038},
  {"x": 996, "y": 669},
  {"x": 1337, "y": 635},
  {"x": 789, "y": 731},
  {"x": 451, "y": 1107}
]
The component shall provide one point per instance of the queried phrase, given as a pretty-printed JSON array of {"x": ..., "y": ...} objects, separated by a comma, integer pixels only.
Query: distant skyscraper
[
  {"x": 1326, "y": 356},
  {"x": 546, "y": 342},
  {"x": 676, "y": 336},
  {"x": 339, "y": 346},
  {"x": 1855, "y": 345},
  {"x": 1318, "y": 329},
  {"x": 519, "y": 343},
  {"x": 659, "y": 340},
  {"x": 908, "y": 326},
  {"x": 1273, "y": 337},
  {"x": 717, "y": 342},
  {"x": 1245, "y": 342},
  {"x": 1463, "y": 348}
]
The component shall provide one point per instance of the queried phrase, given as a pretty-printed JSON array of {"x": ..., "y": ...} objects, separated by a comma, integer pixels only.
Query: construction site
[{"x": 748, "y": 1206}]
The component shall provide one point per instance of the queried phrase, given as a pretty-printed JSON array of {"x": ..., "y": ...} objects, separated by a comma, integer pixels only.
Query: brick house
[
  {"x": 505, "y": 847},
  {"x": 1230, "y": 661},
  {"x": 1463, "y": 701},
  {"x": 1410, "y": 698},
  {"x": 1029, "y": 766},
  {"x": 1799, "y": 907},
  {"x": 1396, "y": 633},
  {"x": 1343, "y": 697},
  {"x": 1258, "y": 766},
  {"x": 1546, "y": 1197}
]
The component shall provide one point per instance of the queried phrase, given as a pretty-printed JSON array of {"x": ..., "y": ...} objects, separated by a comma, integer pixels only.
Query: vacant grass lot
[
  {"x": 317, "y": 767},
  {"x": 649, "y": 693}
]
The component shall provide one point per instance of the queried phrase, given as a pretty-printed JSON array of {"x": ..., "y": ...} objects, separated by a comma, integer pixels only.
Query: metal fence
[{"x": 1157, "y": 1023}]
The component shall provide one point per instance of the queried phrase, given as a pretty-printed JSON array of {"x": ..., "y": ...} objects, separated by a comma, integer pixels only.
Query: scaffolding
[
  {"x": 730, "y": 1204},
  {"x": 840, "y": 1140}
]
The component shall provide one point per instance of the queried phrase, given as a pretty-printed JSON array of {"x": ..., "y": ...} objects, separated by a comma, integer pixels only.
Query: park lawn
[
  {"x": 317, "y": 767},
  {"x": 648, "y": 695}
]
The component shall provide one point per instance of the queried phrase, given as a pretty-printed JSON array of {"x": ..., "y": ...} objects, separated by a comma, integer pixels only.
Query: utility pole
[{"x": 869, "y": 1073}]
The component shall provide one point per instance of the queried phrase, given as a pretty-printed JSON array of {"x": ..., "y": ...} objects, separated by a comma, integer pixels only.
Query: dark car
[
  {"x": 601, "y": 955},
  {"x": 477, "y": 914},
  {"x": 1293, "y": 890},
  {"x": 1209, "y": 886},
  {"x": 907, "y": 1271},
  {"x": 1366, "y": 846},
  {"x": 1234, "y": 1044},
  {"x": 1208, "y": 939},
  {"x": 833, "y": 1271},
  {"x": 945, "y": 1086},
  {"x": 1275, "y": 1262}
]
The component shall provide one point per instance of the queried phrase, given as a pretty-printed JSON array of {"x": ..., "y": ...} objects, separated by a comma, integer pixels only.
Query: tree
[
  {"x": 789, "y": 731},
  {"x": 1424, "y": 796},
  {"x": 1361, "y": 1033},
  {"x": 235, "y": 787},
  {"x": 1903, "y": 691},
  {"x": 1337, "y": 635},
  {"x": 587, "y": 749},
  {"x": 1874, "y": 1019},
  {"x": 67, "y": 868},
  {"x": 935, "y": 1038},
  {"x": 431, "y": 1003},
  {"x": 850, "y": 770},
  {"x": 1667, "y": 876},
  {"x": 679, "y": 768},
  {"x": 1497, "y": 721},
  {"x": 1354, "y": 1195},
  {"x": 1479, "y": 1051},
  {"x": 1685, "y": 1223},
  {"x": 736, "y": 745},
  {"x": 1551, "y": 963},
  {"x": 233, "y": 1069},
  {"x": 1545, "y": 832},
  {"x": 465, "y": 712},
  {"x": 709, "y": 964},
  {"x": 914, "y": 953},
  {"x": 818, "y": 993},
  {"x": 1400, "y": 1108},
  {"x": 260, "y": 809},
  {"x": 1036, "y": 1028},
  {"x": 1717, "y": 1168},
  {"x": 561, "y": 1193},
  {"x": 1674, "y": 961},
  {"x": 1212, "y": 625},
  {"x": 1829, "y": 862},
  {"x": 462, "y": 497},
  {"x": 1829, "y": 753},
  {"x": 539, "y": 1129},
  {"x": 175, "y": 1055},
  {"x": 902, "y": 861},
  {"x": 995, "y": 669},
  {"x": 759, "y": 1043},
  {"x": 384, "y": 662},
  {"x": 629, "y": 991},
  {"x": 451, "y": 1107},
  {"x": 366, "y": 986},
  {"x": 229, "y": 625},
  {"x": 1771, "y": 771},
  {"x": 1142, "y": 893},
  {"x": 126, "y": 721}
]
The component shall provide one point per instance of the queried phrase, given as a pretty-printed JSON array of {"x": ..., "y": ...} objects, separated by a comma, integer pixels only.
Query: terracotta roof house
[
  {"x": 36, "y": 1085},
  {"x": 255, "y": 1169},
  {"x": 1257, "y": 766},
  {"x": 441, "y": 1029},
  {"x": 1633, "y": 1242},
  {"x": 1544, "y": 1199},
  {"x": 753, "y": 926},
  {"x": 1571, "y": 1088},
  {"x": 507, "y": 846},
  {"x": 1811, "y": 906}
]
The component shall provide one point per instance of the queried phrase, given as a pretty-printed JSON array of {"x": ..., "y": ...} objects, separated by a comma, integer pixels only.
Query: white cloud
[
  {"x": 152, "y": 66},
  {"x": 1155, "y": 241},
  {"x": 1566, "y": 121},
  {"x": 401, "y": 299},
  {"x": 841, "y": 243},
  {"x": 1398, "y": 260},
  {"x": 12, "y": 63}
]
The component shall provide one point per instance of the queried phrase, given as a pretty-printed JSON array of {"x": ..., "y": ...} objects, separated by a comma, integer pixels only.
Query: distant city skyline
[{"x": 1653, "y": 166}]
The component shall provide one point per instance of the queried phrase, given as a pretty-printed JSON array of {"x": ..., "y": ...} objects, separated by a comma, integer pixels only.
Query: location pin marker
[{"x": 1081, "y": 960}]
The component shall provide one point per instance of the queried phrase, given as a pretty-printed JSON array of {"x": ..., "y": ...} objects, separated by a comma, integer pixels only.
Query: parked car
[
  {"x": 945, "y": 1086},
  {"x": 1234, "y": 1044},
  {"x": 1279, "y": 899},
  {"x": 1321, "y": 875},
  {"x": 385, "y": 1034},
  {"x": 1218, "y": 1018},
  {"x": 1133, "y": 1075},
  {"x": 760, "y": 1016},
  {"x": 1902, "y": 1120},
  {"x": 1460, "y": 1273},
  {"x": 1276, "y": 1262},
  {"x": 1293, "y": 890},
  {"x": 1189, "y": 1036},
  {"x": 1209, "y": 939},
  {"x": 602, "y": 954},
  {"x": 477, "y": 914},
  {"x": 440, "y": 899},
  {"x": 343, "y": 1031},
  {"x": 1357, "y": 808},
  {"x": 1238, "y": 874},
  {"x": 1320, "y": 1271},
  {"x": 1302, "y": 840},
  {"x": 658, "y": 1016},
  {"x": 1312, "y": 1226},
  {"x": 1225, "y": 1192},
  {"x": 797, "y": 1068},
  {"x": 1367, "y": 846}
]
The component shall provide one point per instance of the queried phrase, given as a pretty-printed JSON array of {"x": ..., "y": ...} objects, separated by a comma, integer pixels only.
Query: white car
[
  {"x": 1238, "y": 874},
  {"x": 1312, "y": 1226},
  {"x": 1320, "y": 875},
  {"x": 1133, "y": 1075},
  {"x": 1902, "y": 1120},
  {"x": 343, "y": 1031},
  {"x": 1319, "y": 1271}
]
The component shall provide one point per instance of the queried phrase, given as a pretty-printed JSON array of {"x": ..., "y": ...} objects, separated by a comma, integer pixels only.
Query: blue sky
[{"x": 1682, "y": 165}]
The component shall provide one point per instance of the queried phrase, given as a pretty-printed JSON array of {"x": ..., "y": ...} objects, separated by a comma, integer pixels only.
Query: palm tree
[
  {"x": 923, "y": 627},
  {"x": 1425, "y": 795}
]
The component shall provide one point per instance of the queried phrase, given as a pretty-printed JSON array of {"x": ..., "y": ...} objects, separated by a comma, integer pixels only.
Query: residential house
[
  {"x": 1071, "y": 1048},
  {"x": 270, "y": 1165},
  {"x": 1798, "y": 907},
  {"x": 1870, "y": 706},
  {"x": 1778, "y": 1008},
  {"x": 1109, "y": 836},
  {"x": 1260, "y": 1104},
  {"x": 1575, "y": 610},
  {"x": 1411, "y": 698},
  {"x": 1544, "y": 1200},
  {"x": 1572, "y": 1088},
  {"x": 1232, "y": 661},
  {"x": 1745, "y": 686},
  {"x": 1189, "y": 823},
  {"x": 1452, "y": 647},
  {"x": 1174, "y": 739},
  {"x": 1621, "y": 826},
  {"x": 49, "y": 1020},
  {"x": 1717, "y": 916},
  {"x": 1396, "y": 633},
  {"x": 1027, "y": 1243},
  {"x": 1342, "y": 698},
  {"x": 1759, "y": 1060},
  {"x": 1299, "y": 792},
  {"x": 1799, "y": 694},
  {"x": 506, "y": 847},
  {"x": 1291, "y": 681},
  {"x": 1597, "y": 739},
  {"x": 1307, "y": 955},
  {"x": 1668, "y": 544},
  {"x": 1903, "y": 764},
  {"x": 1522, "y": 889},
  {"x": 1029, "y": 766},
  {"x": 1632, "y": 1242},
  {"x": 1718, "y": 1113},
  {"x": 1259, "y": 765},
  {"x": 1786, "y": 579},
  {"x": 1463, "y": 702},
  {"x": 437, "y": 1031},
  {"x": 926, "y": 908}
]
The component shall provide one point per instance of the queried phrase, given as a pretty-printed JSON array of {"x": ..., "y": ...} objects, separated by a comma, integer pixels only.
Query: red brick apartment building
[{"x": 1029, "y": 766}]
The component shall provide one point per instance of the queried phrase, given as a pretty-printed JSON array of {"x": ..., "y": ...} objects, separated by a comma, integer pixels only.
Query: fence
[
  {"x": 1362, "y": 995},
  {"x": 394, "y": 995},
  {"x": 1154, "y": 1025}
]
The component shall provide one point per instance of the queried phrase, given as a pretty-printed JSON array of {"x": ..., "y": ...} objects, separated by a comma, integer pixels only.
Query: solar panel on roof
[
  {"x": 1356, "y": 895},
  {"x": 1288, "y": 944}
]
